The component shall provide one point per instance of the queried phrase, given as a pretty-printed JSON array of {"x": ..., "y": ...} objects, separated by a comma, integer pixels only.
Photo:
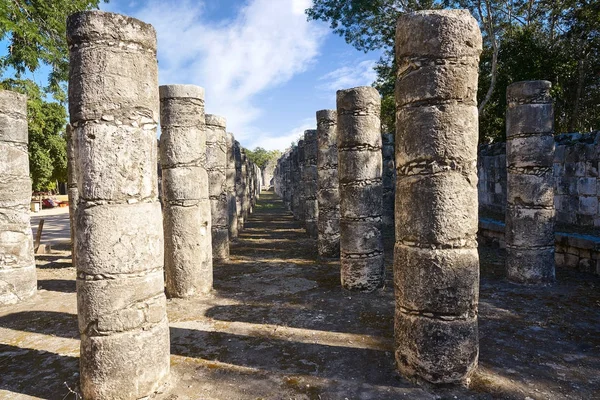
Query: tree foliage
[
  {"x": 47, "y": 146},
  {"x": 260, "y": 156},
  {"x": 36, "y": 33},
  {"x": 556, "y": 40}
]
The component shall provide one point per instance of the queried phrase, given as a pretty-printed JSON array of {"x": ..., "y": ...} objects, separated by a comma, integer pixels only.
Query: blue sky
[{"x": 264, "y": 67}]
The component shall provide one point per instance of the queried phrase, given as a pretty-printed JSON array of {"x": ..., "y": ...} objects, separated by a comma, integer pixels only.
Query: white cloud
[
  {"x": 264, "y": 45},
  {"x": 347, "y": 77},
  {"x": 283, "y": 141}
]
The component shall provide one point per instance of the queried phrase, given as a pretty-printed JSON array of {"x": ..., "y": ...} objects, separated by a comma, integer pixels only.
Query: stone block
[
  {"x": 526, "y": 227},
  {"x": 437, "y": 208},
  {"x": 438, "y": 351},
  {"x": 530, "y": 266},
  {"x": 442, "y": 281},
  {"x": 586, "y": 186},
  {"x": 588, "y": 205}
]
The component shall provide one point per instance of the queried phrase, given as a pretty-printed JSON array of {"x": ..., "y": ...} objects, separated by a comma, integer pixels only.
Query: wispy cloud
[
  {"x": 264, "y": 45},
  {"x": 346, "y": 77}
]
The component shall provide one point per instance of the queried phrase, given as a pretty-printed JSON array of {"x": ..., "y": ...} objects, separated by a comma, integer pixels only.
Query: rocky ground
[{"x": 278, "y": 326}]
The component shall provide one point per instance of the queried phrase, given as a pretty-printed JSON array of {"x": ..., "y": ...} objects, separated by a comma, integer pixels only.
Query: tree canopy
[
  {"x": 556, "y": 40},
  {"x": 260, "y": 156},
  {"x": 37, "y": 35},
  {"x": 35, "y": 31}
]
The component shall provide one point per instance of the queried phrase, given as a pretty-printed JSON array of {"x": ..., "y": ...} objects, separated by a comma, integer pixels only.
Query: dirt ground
[{"x": 278, "y": 326}]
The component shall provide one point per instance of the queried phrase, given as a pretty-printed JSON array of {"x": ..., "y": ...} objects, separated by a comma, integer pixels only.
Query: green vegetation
[
  {"x": 555, "y": 40},
  {"x": 35, "y": 31},
  {"x": 260, "y": 156}
]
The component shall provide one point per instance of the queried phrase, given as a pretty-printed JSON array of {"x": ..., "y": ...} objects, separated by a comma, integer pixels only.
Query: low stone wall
[
  {"x": 576, "y": 166},
  {"x": 573, "y": 250}
]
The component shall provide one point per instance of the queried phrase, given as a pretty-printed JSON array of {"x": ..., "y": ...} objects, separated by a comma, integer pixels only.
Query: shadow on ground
[{"x": 279, "y": 326}]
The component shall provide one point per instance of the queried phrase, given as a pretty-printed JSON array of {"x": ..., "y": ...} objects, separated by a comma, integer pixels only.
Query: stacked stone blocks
[
  {"x": 113, "y": 106},
  {"x": 436, "y": 263}
]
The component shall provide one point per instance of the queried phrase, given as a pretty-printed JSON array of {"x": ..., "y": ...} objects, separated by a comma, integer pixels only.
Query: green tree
[
  {"x": 36, "y": 34},
  {"x": 47, "y": 146},
  {"x": 557, "y": 40},
  {"x": 35, "y": 31},
  {"x": 260, "y": 156},
  {"x": 371, "y": 25}
]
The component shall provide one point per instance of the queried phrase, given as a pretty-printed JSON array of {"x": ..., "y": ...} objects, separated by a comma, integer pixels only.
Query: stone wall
[{"x": 576, "y": 165}]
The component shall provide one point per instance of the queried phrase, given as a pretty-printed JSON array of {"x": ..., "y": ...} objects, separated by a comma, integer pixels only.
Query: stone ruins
[
  {"x": 216, "y": 166},
  {"x": 328, "y": 193},
  {"x": 114, "y": 111},
  {"x": 359, "y": 176},
  {"x": 436, "y": 263},
  {"x": 18, "y": 279},
  {"x": 156, "y": 280},
  {"x": 530, "y": 189},
  {"x": 185, "y": 185}
]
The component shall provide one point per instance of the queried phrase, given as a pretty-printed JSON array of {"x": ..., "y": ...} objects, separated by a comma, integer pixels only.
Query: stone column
[
  {"x": 239, "y": 185},
  {"x": 359, "y": 175},
  {"x": 72, "y": 191},
  {"x": 311, "y": 209},
  {"x": 230, "y": 176},
  {"x": 389, "y": 179},
  {"x": 530, "y": 184},
  {"x": 246, "y": 187},
  {"x": 436, "y": 264},
  {"x": 216, "y": 165},
  {"x": 268, "y": 172},
  {"x": 299, "y": 213},
  {"x": 186, "y": 207},
  {"x": 293, "y": 187},
  {"x": 18, "y": 279},
  {"x": 328, "y": 194},
  {"x": 113, "y": 106}
]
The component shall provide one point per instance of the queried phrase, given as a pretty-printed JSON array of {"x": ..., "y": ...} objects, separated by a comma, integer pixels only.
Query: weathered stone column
[
  {"x": 359, "y": 175},
  {"x": 530, "y": 184},
  {"x": 268, "y": 172},
  {"x": 436, "y": 264},
  {"x": 389, "y": 179},
  {"x": 239, "y": 185},
  {"x": 328, "y": 194},
  {"x": 299, "y": 193},
  {"x": 246, "y": 187},
  {"x": 216, "y": 165},
  {"x": 18, "y": 279},
  {"x": 294, "y": 173},
  {"x": 72, "y": 191},
  {"x": 113, "y": 105},
  {"x": 311, "y": 208},
  {"x": 186, "y": 206},
  {"x": 230, "y": 176}
]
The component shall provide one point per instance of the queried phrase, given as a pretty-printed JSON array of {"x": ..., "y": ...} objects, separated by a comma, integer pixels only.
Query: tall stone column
[
  {"x": 240, "y": 185},
  {"x": 359, "y": 175},
  {"x": 389, "y": 179},
  {"x": 216, "y": 165},
  {"x": 72, "y": 191},
  {"x": 113, "y": 105},
  {"x": 436, "y": 264},
  {"x": 311, "y": 208},
  {"x": 530, "y": 184},
  {"x": 18, "y": 279},
  {"x": 230, "y": 176},
  {"x": 294, "y": 181},
  {"x": 267, "y": 174},
  {"x": 328, "y": 194},
  {"x": 246, "y": 187},
  {"x": 299, "y": 214},
  {"x": 186, "y": 205}
]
